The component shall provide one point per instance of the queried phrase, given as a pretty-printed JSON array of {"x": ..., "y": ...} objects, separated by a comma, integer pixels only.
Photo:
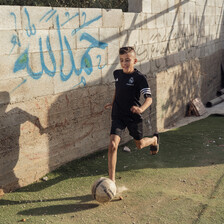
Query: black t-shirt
[{"x": 129, "y": 87}]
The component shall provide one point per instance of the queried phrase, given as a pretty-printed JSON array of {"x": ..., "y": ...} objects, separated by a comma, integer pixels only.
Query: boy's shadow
[
  {"x": 58, "y": 209},
  {"x": 10, "y": 123},
  {"x": 82, "y": 204}
]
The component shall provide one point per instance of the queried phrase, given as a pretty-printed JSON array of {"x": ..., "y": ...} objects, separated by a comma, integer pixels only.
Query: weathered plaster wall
[{"x": 56, "y": 70}]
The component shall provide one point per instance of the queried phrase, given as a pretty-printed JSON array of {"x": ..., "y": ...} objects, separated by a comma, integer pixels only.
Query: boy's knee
[
  {"x": 113, "y": 146},
  {"x": 139, "y": 144}
]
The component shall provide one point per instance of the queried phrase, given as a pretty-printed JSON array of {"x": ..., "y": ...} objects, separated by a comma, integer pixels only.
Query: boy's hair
[{"x": 126, "y": 50}]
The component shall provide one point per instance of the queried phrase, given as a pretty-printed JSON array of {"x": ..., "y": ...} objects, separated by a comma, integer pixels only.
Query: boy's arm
[{"x": 145, "y": 105}]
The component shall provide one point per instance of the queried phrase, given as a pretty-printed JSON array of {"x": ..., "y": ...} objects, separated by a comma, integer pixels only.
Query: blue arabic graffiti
[
  {"x": 23, "y": 61},
  {"x": 85, "y": 23},
  {"x": 30, "y": 30},
  {"x": 15, "y": 39}
]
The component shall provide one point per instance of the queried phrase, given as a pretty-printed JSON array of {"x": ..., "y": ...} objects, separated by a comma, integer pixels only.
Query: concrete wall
[{"x": 56, "y": 74}]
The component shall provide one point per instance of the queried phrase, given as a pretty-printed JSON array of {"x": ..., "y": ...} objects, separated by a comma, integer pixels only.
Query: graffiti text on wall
[{"x": 86, "y": 65}]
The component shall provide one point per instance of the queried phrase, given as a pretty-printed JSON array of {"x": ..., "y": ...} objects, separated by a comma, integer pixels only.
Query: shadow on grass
[
  {"x": 58, "y": 209},
  {"x": 198, "y": 144},
  {"x": 83, "y": 204},
  {"x": 84, "y": 198}
]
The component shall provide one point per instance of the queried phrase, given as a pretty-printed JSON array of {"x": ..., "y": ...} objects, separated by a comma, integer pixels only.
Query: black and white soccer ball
[{"x": 104, "y": 190}]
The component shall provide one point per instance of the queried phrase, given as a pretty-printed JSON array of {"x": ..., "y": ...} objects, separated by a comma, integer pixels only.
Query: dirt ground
[{"x": 184, "y": 183}]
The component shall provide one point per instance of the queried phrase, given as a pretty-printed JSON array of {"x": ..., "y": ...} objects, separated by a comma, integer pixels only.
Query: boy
[{"x": 126, "y": 108}]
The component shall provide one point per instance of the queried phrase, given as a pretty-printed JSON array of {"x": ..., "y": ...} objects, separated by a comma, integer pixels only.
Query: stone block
[
  {"x": 153, "y": 36},
  {"x": 169, "y": 19},
  {"x": 7, "y": 65},
  {"x": 159, "y": 6},
  {"x": 110, "y": 36},
  {"x": 162, "y": 49},
  {"x": 177, "y": 60},
  {"x": 113, "y": 55},
  {"x": 187, "y": 19},
  {"x": 155, "y": 50},
  {"x": 182, "y": 56},
  {"x": 96, "y": 58},
  {"x": 123, "y": 39},
  {"x": 37, "y": 18},
  {"x": 145, "y": 67},
  {"x": 10, "y": 18},
  {"x": 142, "y": 53},
  {"x": 73, "y": 82},
  {"x": 99, "y": 57},
  {"x": 144, "y": 36},
  {"x": 144, "y": 21},
  {"x": 170, "y": 60},
  {"x": 85, "y": 37},
  {"x": 23, "y": 89},
  {"x": 78, "y": 56},
  {"x": 170, "y": 5},
  {"x": 90, "y": 18},
  {"x": 200, "y": 2},
  {"x": 69, "y": 18},
  {"x": 207, "y": 30},
  {"x": 112, "y": 18},
  {"x": 150, "y": 20},
  {"x": 162, "y": 35},
  {"x": 147, "y": 6},
  {"x": 133, "y": 21},
  {"x": 33, "y": 43},
  {"x": 54, "y": 66},
  {"x": 4, "y": 99},
  {"x": 10, "y": 42},
  {"x": 133, "y": 37},
  {"x": 54, "y": 40},
  {"x": 72, "y": 40},
  {"x": 107, "y": 73},
  {"x": 173, "y": 46},
  {"x": 95, "y": 78},
  {"x": 77, "y": 81},
  {"x": 217, "y": 3},
  {"x": 218, "y": 46},
  {"x": 150, "y": 48}
]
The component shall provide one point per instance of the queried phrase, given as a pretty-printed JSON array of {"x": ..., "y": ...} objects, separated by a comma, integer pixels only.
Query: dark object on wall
[
  {"x": 215, "y": 101},
  {"x": 196, "y": 108},
  {"x": 220, "y": 92}
]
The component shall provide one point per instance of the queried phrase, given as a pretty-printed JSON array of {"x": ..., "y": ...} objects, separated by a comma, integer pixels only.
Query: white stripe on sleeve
[{"x": 146, "y": 91}]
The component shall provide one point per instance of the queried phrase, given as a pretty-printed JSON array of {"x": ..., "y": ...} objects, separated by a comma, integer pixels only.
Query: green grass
[{"x": 182, "y": 184}]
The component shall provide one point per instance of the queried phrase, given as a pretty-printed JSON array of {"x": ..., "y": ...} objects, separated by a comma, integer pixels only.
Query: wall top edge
[{"x": 30, "y": 6}]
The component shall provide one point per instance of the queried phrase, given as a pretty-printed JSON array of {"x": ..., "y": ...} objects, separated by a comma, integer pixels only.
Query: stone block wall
[{"x": 56, "y": 75}]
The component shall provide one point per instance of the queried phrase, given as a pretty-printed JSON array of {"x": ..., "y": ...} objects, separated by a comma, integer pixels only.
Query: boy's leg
[
  {"x": 144, "y": 142},
  {"x": 112, "y": 155},
  {"x": 136, "y": 131}
]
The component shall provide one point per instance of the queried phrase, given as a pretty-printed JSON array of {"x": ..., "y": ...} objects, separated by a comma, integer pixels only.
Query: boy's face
[{"x": 128, "y": 61}]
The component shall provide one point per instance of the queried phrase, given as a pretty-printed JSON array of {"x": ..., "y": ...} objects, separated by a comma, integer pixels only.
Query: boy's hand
[
  {"x": 136, "y": 110},
  {"x": 108, "y": 106}
]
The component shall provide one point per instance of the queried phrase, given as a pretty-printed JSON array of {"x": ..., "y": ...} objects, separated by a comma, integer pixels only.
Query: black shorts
[{"x": 135, "y": 127}]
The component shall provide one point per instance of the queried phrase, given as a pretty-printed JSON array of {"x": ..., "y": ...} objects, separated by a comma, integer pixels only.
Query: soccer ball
[{"x": 103, "y": 190}]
